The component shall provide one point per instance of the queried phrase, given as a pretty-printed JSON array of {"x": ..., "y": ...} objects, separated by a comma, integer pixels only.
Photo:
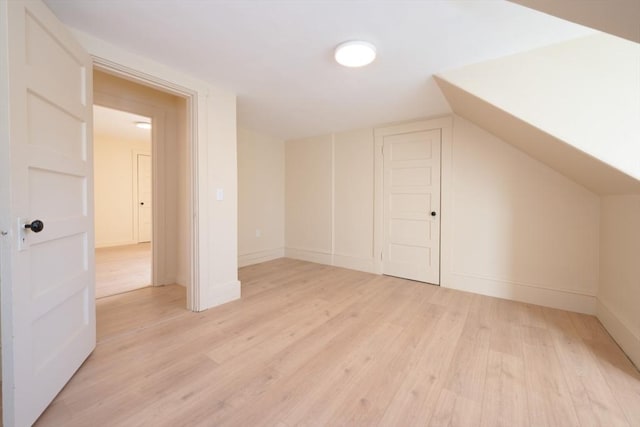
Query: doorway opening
[
  {"x": 149, "y": 172},
  {"x": 123, "y": 200}
]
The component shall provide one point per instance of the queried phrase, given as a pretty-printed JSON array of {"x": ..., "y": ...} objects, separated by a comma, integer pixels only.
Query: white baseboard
[
  {"x": 354, "y": 263},
  {"x": 554, "y": 298},
  {"x": 308, "y": 255},
  {"x": 222, "y": 293},
  {"x": 344, "y": 261},
  {"x": 260, "y": 256},
  {"x": 621, "y": 333}
]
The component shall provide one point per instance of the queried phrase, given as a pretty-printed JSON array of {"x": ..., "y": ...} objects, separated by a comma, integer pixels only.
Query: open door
[{"x": 48, "y": 307}]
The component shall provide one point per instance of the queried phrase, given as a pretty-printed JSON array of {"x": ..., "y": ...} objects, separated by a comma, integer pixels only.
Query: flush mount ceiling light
[
  {"x": 143, "y": 125},
  {"x": 355, "y": 53}
]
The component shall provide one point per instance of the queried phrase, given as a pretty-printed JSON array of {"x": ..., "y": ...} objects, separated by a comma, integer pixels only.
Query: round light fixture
[
  {"x": 143, "y": 125},
  {"x": 355, "y": 53}
]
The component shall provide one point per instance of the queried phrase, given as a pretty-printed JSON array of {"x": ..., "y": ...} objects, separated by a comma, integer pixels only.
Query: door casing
[{"x": 157, "y": 159}]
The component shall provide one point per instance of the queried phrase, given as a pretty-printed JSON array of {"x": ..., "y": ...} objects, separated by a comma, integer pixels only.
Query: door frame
[
  {"x": 191, "y": 100},
  {"x": 445, "y": 125}
]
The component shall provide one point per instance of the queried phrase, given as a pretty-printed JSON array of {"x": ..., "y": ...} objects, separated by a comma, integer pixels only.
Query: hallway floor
[{"x": 122, "y": 269}]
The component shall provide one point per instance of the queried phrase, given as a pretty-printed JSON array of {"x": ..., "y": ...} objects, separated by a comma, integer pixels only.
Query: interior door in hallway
[
  {"x": 412, "y": 206},
  {"x": 144, "y": 198}
]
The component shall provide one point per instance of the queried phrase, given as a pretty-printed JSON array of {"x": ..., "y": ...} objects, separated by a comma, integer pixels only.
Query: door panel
[
  {"x": 411, "y": 193},
  {"x": 67, "y": 141},
  {"x": 51, "y": 282}
]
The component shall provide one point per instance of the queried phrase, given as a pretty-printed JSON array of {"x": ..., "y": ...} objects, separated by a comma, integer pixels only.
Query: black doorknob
[
  {"x": 141, "y": 203},
  {"x": 36, "y": 226},
  {"x": 433, "y": 213}
]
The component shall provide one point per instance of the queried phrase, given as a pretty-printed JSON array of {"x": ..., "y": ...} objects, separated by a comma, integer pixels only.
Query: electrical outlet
[{"x": 258, "y": 232}]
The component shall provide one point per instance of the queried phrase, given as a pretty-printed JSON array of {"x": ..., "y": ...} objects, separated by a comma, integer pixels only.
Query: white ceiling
[
  {"x": 277, "y": 55},
  {"x": 115, "y": 124}
]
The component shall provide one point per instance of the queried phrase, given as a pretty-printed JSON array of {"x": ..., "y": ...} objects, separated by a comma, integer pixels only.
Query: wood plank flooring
[
  {"x": 122, "y": 269},
  {"x": 313, "y": 345}
]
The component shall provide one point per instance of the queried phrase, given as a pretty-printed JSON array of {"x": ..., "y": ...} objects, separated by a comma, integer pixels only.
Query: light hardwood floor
[
  {"x": 316, "y": 345},
  {"x": 122, "y": 269}
]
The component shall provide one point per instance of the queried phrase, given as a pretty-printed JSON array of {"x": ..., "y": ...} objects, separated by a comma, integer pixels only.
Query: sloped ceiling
[
  {"x": 617, "y": 17},
  {"x": 277, "y": 55},
  {"x": 575, "y": 164},
  {"x": 564, "y": 93},
  {"x": 575, "y": 106}
]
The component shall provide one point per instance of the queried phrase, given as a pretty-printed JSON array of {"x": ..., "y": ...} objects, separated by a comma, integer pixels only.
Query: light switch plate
[{"x": 219, "y": 194}]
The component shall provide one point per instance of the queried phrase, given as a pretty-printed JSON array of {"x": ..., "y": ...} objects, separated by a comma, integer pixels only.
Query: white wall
[
  {"x": 114, "y": 182},
  {"x": 512, "y": 227},
  {"x": 260, "y": 197},
  {"x": 619, "y": 291}
]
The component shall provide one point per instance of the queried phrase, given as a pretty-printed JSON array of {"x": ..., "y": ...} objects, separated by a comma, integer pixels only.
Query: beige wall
[
  {"x": 353, "y": 198},
  {"x": 260, "y": 197},
  {"x": 183, "y": 182},
  {"x": 170, "y": 150},
  {"x": 619, "y": 291},
  {"x": 512, "y": 227},
  {"x": 114, "y": 191},
  {"x": 218, "y": 221},
  {"x": 308, "y": 201},
  {"x": 329, "y": 199}
]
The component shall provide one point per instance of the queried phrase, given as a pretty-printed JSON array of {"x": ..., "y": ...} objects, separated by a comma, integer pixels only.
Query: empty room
[{"x": 348, "y": 213}]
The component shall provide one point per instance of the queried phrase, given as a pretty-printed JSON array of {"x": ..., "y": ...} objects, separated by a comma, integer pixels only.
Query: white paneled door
[
  {"x": 144, "y": 198},
  {"x": 412, "y": 206},
  {"x": 49, "y": 286}
]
